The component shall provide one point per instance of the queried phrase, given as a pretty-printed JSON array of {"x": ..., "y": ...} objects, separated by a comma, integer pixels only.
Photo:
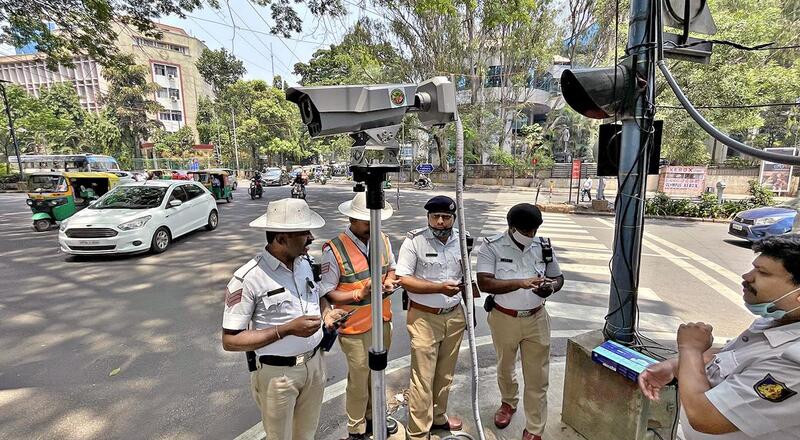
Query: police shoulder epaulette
[
  {"x": 494, "y": 238},
  {"x": 246, "y": 268},
  {"x": 415, "y": 232}
]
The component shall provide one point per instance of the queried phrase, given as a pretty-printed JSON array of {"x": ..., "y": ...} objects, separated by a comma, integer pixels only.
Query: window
[
  {"x": 175, "y": 93},
  {"x": 161, "y": 45},
  {"x": 172, "y": 70},
  {"x": 171, "y": 115},
  {"x": 494, "y": 76},
  {"x": 162, "y": 93},
  {"x": 179, "y": 194},
  {"x": 193, "y": 191},
  {"x": 160, "y": 69},
  {"x": 165, "y": 92}
]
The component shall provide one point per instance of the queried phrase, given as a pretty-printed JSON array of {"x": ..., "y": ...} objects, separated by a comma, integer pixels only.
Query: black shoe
[{"x": 391, "y": 426}]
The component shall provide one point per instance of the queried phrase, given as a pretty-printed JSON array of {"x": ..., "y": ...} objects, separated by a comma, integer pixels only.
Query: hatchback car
[
  {"x": 275, "y": 176},
  {"x": 758, "y": 223},
  {"x": 139, "y": 217}
]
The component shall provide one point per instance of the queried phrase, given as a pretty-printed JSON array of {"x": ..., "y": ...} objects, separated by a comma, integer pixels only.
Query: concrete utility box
[
  {"x": 600, "y": 404},
  {"x": 600, "y": 205}
]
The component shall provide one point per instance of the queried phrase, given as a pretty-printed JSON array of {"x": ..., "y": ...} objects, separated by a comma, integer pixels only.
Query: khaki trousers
[
  {"x": 290, "y": 398},
  {"x": 358, "y": 398},
  {"x": 435, "y": 341},
  {"x": 531, "y": 336}
]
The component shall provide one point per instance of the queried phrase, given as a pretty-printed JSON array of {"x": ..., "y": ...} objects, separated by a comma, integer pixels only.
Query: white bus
[{"x": 64, "y": 162}]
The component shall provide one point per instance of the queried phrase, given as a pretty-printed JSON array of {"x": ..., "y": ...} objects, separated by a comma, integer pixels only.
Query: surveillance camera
[{"x": 331, "y": 110}]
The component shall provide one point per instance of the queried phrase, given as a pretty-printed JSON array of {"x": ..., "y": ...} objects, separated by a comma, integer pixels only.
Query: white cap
[
  {"x": 288, "y": 215},
  {"x": 357, "y": 208}
]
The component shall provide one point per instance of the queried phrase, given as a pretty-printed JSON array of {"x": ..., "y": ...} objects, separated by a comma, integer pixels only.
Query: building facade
[{"x": 170, "y": 61}]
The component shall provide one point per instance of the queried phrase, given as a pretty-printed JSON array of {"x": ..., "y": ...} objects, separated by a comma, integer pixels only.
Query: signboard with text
[
  {"x": 777, "y": 176},
  {"x": 576, "y": 169},
  {"x": 425, "y": 168},
  {"x": 682, "y": 180}
]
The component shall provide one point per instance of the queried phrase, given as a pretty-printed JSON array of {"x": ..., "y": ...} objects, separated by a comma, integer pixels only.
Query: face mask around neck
[
  {"x": 770, "y": 309},
  {"x": 441, "y": 233}
]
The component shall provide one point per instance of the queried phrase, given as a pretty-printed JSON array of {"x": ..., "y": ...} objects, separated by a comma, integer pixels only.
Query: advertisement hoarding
[{"x": 777, "y": 176}]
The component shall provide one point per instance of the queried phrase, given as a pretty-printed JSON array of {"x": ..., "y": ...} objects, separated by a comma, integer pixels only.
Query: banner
[
  {"x": 777, "y": 176},
  {"x": 684, "y": 180}
]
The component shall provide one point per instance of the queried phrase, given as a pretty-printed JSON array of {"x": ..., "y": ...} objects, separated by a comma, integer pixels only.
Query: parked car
[
  {"x": 138, "y": 217},
  {"x": 758, "y": 223},
  {"x": 275, "y": 176}
]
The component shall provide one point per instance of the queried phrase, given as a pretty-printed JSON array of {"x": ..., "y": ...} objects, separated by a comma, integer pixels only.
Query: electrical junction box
[{"x": 616, "y": 357}]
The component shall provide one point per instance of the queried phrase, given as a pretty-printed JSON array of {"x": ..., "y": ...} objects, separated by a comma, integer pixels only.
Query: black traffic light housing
[{"x": 600, "y": 93}]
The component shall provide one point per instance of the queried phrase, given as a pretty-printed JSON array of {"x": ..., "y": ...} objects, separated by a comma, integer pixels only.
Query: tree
[
  {"x": 220, "y": 69},
  {"x": 87, "y": 27},
  {"x": 174, "y": 144},
  {"x": 128, "y": 103}
]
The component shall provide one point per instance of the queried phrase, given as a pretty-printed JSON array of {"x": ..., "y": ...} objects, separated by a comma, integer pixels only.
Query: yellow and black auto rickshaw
[
  {"x": 55, "y": 196},
  {"x": 217, "y": 181}
]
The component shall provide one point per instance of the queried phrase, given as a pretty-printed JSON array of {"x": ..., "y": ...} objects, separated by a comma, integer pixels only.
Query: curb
[{"x": 569, "y": 209}]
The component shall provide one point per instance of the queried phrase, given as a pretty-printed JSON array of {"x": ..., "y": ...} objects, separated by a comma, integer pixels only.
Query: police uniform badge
[{"x": 773, "y": 390}]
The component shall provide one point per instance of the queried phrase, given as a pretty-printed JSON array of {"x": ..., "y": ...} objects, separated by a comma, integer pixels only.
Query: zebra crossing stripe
[
  {"x": 584, "y": 268},
  {"x": 569, "y": 245}
]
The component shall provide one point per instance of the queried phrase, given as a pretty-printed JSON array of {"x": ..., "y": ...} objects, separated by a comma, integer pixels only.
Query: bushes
[{"x": 707, "y": 206}]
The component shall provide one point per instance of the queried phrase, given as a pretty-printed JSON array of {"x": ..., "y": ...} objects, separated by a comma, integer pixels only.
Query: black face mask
[{"x": 441, "y": 233}]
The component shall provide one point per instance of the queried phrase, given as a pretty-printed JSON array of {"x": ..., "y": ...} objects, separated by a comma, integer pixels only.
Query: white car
[{"x": 138, "y": 217}]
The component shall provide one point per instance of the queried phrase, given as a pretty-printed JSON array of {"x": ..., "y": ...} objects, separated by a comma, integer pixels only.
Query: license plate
[
  {"x": 736, "y": 227},
  {"x": 88, "y": 242}
]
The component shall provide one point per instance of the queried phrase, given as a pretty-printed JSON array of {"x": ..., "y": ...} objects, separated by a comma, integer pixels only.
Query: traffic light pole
[{"x": 632, "y": 178}]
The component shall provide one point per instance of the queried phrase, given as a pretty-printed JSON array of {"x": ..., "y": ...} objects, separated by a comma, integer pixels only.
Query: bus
[{"x": 64, "y": 162}]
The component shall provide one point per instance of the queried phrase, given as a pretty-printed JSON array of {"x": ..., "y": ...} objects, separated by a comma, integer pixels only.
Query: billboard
[
  {"x": 777, "y": 176},
  {"x": 683, "y": 180}
]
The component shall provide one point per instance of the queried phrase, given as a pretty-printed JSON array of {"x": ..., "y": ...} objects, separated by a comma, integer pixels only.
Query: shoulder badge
[
  {"x": 494, "y": 238},
  {"x": 772, "y": 390},
  {"x": 415, "y": 232},
  {"x": 244, "y": 270}
]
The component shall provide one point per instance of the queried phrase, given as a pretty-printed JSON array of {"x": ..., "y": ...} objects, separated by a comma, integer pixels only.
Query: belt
[
  {"x": 434, "y": 310},
  {"x": 517, "y": 313},
  {"x": 288, "y": 361}
]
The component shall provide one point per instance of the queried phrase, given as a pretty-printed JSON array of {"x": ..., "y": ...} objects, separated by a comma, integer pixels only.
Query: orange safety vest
[{"x": 354, "y": 275}]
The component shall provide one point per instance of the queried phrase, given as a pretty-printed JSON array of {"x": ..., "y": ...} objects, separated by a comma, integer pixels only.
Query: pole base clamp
[{"x": 378, "y": 360}]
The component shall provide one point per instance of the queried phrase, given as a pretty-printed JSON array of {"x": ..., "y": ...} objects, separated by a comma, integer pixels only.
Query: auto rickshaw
[
  {"x": 217, "y": 181},
  {"x": 160, "y": 174},
  {"x": 55, "y": 196}
]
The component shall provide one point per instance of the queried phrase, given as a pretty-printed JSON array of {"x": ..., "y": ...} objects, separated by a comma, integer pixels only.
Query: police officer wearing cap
[
  {"x": 346, "y": 282},
  {"x": 429, "y": 268},
  {"x": 749, "y": 388},
  {"x": 274, "y": 307},
  {"x": 520, "y": 272}
]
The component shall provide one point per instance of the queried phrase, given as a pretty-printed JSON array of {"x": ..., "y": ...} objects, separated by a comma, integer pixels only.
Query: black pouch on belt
[
  {"x": 251, "y": 360},
  {"x": 405, "y": 300},
  {"x": 328, "y": 338},
  {"x": 488, "y": 304}
]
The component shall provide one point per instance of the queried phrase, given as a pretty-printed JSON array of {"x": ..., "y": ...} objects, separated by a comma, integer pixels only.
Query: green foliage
[
  {"x": 220, "y": 68},
  {"x": 174, "y": 145},
  {"x": 708, "y": 206}
]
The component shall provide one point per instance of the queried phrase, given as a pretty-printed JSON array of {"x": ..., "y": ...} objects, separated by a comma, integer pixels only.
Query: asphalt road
[{"x": 69, "y": 322}]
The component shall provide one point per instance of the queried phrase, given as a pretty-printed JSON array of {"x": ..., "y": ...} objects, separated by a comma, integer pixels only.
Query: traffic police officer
[
  {"x": 429, "y": 268},
  {"x": 346, "y": 281},
  {"x": 273, "y": 307},
  {"x": 520, "y": 272},
  {"x": 748, "y": 389}
]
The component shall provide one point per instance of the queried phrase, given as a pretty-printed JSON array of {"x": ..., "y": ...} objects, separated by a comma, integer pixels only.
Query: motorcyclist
[{"x": 301, "y": 179}]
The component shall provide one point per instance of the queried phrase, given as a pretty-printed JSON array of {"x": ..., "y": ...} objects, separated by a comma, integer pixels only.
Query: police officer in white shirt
[
  {"x": 520, "y": 272},
  {"x": 429, "y": 268},
  {"x": 748, "y": 389},
  {"x": 274, "y": 307}
]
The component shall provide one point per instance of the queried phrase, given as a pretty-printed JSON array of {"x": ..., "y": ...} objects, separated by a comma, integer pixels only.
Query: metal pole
[
  {"x": 375, "y": 252},
  {"x": 235, "y": 142},
  {"x": 11, "y": 127},
  {"x": 632, "y": 180}
]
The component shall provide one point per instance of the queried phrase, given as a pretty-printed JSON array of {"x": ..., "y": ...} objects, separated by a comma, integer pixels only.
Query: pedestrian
[
  {"x": 346, "y": 282},
  {"x": 429, "y": 268},
  {"x": 587, "y": 189},
  {"x": 274, "y": 307},
  {"x": 550, "y": 185},
  {"x": 601, "y": 188},
  {"x": 520, "y": 272},
  {"x": 748, "y": 388}
]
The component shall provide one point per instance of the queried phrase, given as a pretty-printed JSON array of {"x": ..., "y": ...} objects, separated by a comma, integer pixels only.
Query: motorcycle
[
  {"x": 298, "y": 191},
  {"x": 256, "y": 188},
  {"x": 424, "y": 182},
  {"x": 321, "y": 179}
]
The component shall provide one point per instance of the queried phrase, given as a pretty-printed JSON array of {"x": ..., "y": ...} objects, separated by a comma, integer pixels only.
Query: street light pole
[
  {"x": 11, "y": 126},
  {"x": 235, "y": 142}
]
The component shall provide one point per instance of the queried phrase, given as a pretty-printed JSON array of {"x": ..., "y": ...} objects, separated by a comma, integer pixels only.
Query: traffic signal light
[{"x": 599, "y": 93}]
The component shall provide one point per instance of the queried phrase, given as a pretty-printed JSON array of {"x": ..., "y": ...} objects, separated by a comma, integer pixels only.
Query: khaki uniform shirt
[
  {"x": 499, "y": 255},
  {"x": 265, "y": 293},
  {"x": 424, "y": 256},
  {"x": 754, "y": 384}
]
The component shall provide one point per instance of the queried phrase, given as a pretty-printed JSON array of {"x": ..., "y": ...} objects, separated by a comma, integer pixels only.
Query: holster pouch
[
  {"x": 252, "y": 364},
  {"x": 405, "y": 300},
  {"x": 488, "y": 304}
]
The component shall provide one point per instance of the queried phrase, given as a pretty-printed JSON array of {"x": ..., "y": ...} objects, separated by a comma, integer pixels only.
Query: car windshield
[
  {"x": 273, "y": 174},
  {"x": 791, "y": 204},
  {"x": 47, "y": 184},
  {"x": 132, "y": 197}
]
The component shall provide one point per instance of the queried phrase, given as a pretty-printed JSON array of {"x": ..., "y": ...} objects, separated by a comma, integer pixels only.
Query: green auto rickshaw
[
  {"x": 217, "y": 181},
  {"x": 55, "y": 196}
]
